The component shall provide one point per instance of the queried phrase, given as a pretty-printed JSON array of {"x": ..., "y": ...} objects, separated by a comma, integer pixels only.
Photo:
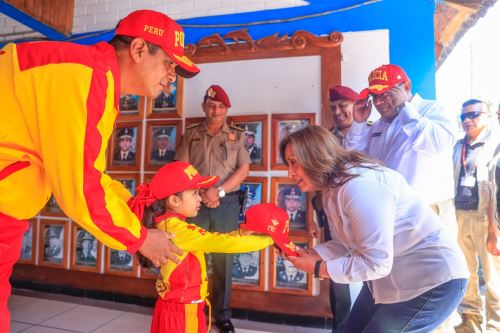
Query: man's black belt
[{"x": 232, "y": 193}]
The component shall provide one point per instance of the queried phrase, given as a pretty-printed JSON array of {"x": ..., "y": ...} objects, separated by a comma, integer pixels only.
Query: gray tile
[
  {"x": 16, "y": 327},
  {"x": 83, "y": 318},
  {"x": 16, "y": 300},
  {"x": 127, "y": 323},
  {"x": 39, "y": 310},
  {"x": 44, "y": 329}
]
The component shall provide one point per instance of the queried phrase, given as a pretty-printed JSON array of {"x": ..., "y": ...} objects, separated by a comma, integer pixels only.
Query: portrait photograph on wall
[
  {"x": 162, "y": 138},
  {"x": 287, "y": 195},
  {"x": 120, "y": 262},
  {"x": 169, "y": 103},
  {"x": 285, "y": 277},
  {"x": 85, "y": 250},
  {"x": 255, "y": 191},
  {"x": 125, "y": 147},
  {"x": 149, "y": 273},
  {"x": 248, "y": 270},
  {"x": 54, "y": 235},
  {"x": 52, "y": 208},
  {"x": 283, "y": 125},
  {"x": 28, "y": 245},
  {"x": 255, "y": 132},
  {"x": 131, "y": 107},
  {"x": 129, "y": 180}
]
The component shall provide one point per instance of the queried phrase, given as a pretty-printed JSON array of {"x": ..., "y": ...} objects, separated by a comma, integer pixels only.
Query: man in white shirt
[{"x": 413, "y": 136}]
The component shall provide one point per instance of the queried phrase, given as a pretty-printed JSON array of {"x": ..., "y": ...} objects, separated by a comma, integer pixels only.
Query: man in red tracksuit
[{"x": 59, "y": 105}]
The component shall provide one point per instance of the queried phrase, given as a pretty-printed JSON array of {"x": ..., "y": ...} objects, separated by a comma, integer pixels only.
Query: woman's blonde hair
[{"x": 322, "y": 157}]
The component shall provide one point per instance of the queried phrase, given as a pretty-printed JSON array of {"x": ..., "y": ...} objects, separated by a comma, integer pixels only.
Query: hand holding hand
[
  {"x": 158, "y": 247},
  {"x": 211, "y": 197}
]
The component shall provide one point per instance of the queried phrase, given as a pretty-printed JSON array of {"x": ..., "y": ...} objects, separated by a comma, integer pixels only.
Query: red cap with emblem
[
  {"x": 218, "y": 94},
  {"x": 269, "y": 219},
  {"x": 384, "y": 78},
  {"x": 159, "y": 29}
]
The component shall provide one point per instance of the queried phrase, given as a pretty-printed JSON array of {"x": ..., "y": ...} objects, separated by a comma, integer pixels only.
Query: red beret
[
  {"x": 218, "y": 94},
  {"x": 342, "y": 92}
]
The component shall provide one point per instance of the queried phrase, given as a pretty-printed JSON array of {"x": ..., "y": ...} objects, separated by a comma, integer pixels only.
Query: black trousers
[{"x": 221, "y": 219}]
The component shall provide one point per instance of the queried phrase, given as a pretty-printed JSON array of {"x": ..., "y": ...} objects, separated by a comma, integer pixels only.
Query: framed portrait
[
  {"x": 150, "y": 273},
  {"x": 249, "y": 270},
  {"x": 131, "y": 107},
  {"x": 285, "y": 277},
  {"x": 169, "y": 103},
  {"x": 162, "y": 138},
  {"x": 52, "y": 247},
  {"x": 255, "y": 132},
  {"x": 52, "y": 208},
  {"x": 283, "y": 125},
  {"x": 85, "y": 250},
  {"x": 255, "y": 189},
  {"x": 287, "y": 195},
  {"x": 129, "y": 180},
  {"x": 120, "y": 262},
  {"x": 193, "y": 120},
  {"x": 28, "y": 245},
  {"x": 124, "y": 152}
]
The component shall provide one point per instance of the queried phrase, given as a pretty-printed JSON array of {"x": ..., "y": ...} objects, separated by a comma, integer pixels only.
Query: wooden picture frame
[
  {"x": 129, "y": 180},
  {"x": 131, "y": 108},
  {"x": 285, "y": 278},
  {"x": 256, "y": 192},
  {"x": 52, "y": 208},
  {"x": 130, "y": 133},
  {"x": 248, "y": 271},
  {"x": 281, "y": 126},
  {"x": 28, "y": 245},
  {"x": 169, "y": 103},
  {"x": 162, "y": 139},
  {"x": 53, "y": 247},
  {"x": 85, "y": 250},
  {"x": 120, "y": 262},
  {"x": 193, "y": 120},
  {"x": 255, "y": 132},
  {"x": 287, "y": 195},
  {"x": 149, "y": 273}
]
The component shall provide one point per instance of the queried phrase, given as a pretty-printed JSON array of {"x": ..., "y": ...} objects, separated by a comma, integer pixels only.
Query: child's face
[{"x": 189, "y": 203}]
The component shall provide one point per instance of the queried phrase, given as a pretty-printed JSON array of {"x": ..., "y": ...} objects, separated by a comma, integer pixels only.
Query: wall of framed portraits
[{"x": 277, "y": 85}]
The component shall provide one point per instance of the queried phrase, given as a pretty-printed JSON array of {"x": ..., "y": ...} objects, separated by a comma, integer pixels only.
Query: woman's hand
[
  {"x": 313, "y": 229},
  {"x": 305, "y": 259}
]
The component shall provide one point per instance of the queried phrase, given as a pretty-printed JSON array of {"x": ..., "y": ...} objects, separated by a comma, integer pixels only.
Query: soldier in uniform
[
  {"x": 163, "y": 153},
  {"x": 53, "y": 250},
  {"x": 216, "y": 148},
  {"x": 84, "y": 253},
  {"x": 289, "y": 273},
  {"x": 292, "y": 205},
  {"x": 254, "y": 151},
  {"x": 120, "y": 259},
  {"x": 125, "y": 155},
  {"x": 243, "y": 266}
]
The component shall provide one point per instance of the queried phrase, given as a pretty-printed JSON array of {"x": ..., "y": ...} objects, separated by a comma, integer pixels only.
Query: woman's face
[{"x": 297, "y": 172}]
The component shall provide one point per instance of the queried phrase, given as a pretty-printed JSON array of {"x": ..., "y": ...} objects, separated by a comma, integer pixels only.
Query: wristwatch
[
  {"x": 317, "y": 268},
  {"x": 222, "y": 193}
]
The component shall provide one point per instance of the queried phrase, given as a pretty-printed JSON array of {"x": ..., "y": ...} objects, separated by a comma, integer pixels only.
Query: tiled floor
[{"x": 34, "y": 312}]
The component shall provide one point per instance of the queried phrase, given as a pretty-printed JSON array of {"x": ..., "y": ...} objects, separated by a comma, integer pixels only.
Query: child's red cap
[{"x": 269, "y": 219}]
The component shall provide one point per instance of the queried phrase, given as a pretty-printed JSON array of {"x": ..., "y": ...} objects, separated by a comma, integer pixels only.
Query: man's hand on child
[{"x": 158, "y": 247}]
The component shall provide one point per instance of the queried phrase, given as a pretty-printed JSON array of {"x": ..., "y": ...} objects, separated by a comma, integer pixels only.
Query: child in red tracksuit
[{"x": 167, "y": 201}]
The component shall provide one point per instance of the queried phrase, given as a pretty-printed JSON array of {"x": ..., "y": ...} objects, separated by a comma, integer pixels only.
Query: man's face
[
  {"x": 122, "y": 255},
  {"x": 387, "y": 102},
  {"x": 474, "y": 119},
  {"x": 249, "y": 141},
  {"x": 53, "y": 242},
  {"x": 245, "y": 259},
  {"x": 125, "y": 143},
  {"x": 215, "y": 111},
  {"x": 342, "y": 112},
  {"x": 155, "y": 72},
  {"x": 163, "y": 142},
  {"x": 289, "y": 267},
  {"x": 292, "y": 204}
]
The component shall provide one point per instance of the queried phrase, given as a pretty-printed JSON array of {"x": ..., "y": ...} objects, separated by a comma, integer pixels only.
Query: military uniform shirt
[{"x": 218, "y": 155}]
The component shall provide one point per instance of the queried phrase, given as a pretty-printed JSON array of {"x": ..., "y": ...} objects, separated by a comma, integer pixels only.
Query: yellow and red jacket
[
  {"x": 186, "y": 282},
  {"x": 59, "y": 105}
]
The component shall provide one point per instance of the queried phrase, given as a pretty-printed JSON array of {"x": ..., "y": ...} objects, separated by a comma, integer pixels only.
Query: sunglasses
[{"x": 470, "y": 115}]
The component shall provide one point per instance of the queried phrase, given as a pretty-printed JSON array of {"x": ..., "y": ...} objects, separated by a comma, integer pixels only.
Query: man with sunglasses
[{"x": 471, "y": 157}]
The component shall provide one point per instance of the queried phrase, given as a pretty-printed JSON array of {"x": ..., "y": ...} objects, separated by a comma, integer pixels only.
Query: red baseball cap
[
  {"x": 384, "y": 78},
  {"x": 218, "y": 94},
  {"x": 176, "y": 177},
  {"x": 342, "y": 92},
  {"x": 269, "y": 219},
  {"x": 159, "y": 29}
]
